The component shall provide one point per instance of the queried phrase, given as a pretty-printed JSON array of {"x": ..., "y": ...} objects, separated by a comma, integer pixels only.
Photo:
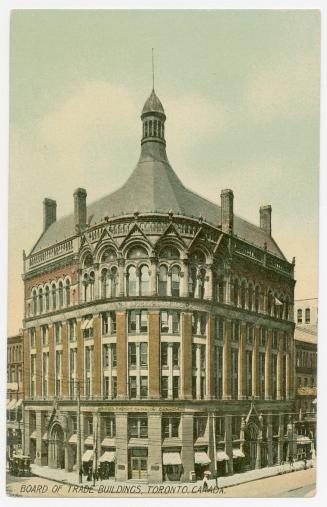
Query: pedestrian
[
  {"x": 305, "y": 463},
  {"x": 80, "y": 472},
  {"x": 205, "y": 484}
]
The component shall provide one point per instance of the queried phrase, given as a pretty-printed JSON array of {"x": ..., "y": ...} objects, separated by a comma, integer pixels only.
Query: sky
[{"x": 241, "y": 94}]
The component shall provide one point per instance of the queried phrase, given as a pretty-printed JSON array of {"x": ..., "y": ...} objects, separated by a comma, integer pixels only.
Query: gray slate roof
[{"x": 154, "y": 187}]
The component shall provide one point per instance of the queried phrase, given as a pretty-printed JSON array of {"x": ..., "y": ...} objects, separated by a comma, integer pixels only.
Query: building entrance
[
  {"x": 250, "y": 446},
  {"x": 56, "y": 447},
  {"x": 139, "y": 464}
]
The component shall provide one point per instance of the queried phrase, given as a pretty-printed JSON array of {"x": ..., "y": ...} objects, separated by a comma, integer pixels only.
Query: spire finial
[{"x": 152, "y": 70}]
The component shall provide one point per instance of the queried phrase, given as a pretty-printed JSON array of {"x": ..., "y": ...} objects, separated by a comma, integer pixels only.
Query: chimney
[
  {"x": 227, "y": 213},
  {"x": 80, "y": 208},
  {"x": 265, "y": 218},
  {"x": 49, "y": 213}
]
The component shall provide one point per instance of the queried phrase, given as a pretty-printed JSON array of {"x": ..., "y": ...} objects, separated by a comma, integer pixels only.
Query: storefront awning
[
  {"x": 89, "y": 440},
  {"x": 87, "y": 323},
  {"x": 237, "y": 453},
  {"x": 301, "y": 439},
  {"x": 73, "y": 439},
  {"x": 201, "y": 458},
  {"x": 11, "y": 405},
  {"x": 45, "y": 436},
  {"x": 171, "y": 458},
  {"x": 88, "y": 455},
  {"x": 108, "y": 442},
  {"x": 19, "y": 402},
  {"x": 222, "y": 456},
  {"x": 108, "y": 456},
  {"x": 33, "y": 435}
]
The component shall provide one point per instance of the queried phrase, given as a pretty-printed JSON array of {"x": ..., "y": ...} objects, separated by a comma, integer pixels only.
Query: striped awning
[
  {"x": 88, "y": 455},
  {"x": 201, "y": 458},
  {"x": 237, "y": 453},
  {"x": 171, "y": 458},
  {"x": 108, "y": 456},
  {"x": 222, "y": 456}
]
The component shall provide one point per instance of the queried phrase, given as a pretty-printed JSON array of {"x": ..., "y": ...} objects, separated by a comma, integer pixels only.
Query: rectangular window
[
  {"x": 106, "y": 387},
  {"x": 87, "y": 359},
  {"x": 110, "y": 426},
  {"x": 144, "y": 321},
  {"x": 105, "y": 324},
  {"x": 144, "y": 387},
  {"x": 165, "y": 427},
  {"x": 113, "y": 355},
  {"x": 164, "y": 354},
  {"x": 175, "y": 354},
  {"x": 58, "y": 332},
  {"x": 144, "y": 354},
  {"x": 138, "y": 427},
  {"x": 105, "y": 356},
  {"x": 132, "y": 322},
  {"x": 113, "y": 325},
  {"x": 175, "y": 387},
  {"x": 32, "y": 337},
  {"x": 132, "y": 387},
  {"x": 44, "y": 336},
  {"x": 194, "y": 347},
  {"x": 164, "y": 325},
  {"x": 114, "y": 387},
  {"x": 299, "y": 316},
  {"x": 200, "y": 424},
  {"x": 132, "y": 355},
  {"x": 262, "y": 339},
  {"x": 164, "y": 387},
  {"x": 203, "y": 356},
  {"x": 72, "y": 330},
  {"x": 176, "y": 320}
]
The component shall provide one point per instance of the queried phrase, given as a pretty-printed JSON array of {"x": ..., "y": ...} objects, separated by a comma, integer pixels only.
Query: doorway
[{"x": 139, "y": 464}]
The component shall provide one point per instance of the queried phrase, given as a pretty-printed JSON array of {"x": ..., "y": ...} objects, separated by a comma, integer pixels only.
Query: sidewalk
[{"x": 71, "y": 478}]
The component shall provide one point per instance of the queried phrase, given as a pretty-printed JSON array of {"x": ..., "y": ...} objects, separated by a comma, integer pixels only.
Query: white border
[{"x": 5, "y": 7}]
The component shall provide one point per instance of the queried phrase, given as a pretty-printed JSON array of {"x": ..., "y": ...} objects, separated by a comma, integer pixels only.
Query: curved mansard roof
[{"x": 153, "y": 186}]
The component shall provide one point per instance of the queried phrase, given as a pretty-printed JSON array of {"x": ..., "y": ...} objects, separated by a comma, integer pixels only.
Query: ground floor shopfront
[{"x": 158, "y": 443}]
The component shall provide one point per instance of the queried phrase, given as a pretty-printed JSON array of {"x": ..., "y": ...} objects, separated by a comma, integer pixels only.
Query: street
[{"x": 296, "y": 484}]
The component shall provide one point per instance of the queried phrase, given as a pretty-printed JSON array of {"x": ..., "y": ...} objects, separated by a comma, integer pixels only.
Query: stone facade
[{"x": 159, "y": 342}]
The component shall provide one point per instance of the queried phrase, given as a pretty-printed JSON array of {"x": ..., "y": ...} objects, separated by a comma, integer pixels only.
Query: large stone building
[
  {"x": 305, "y": 339},
  {"x": 170, "y": 318},
  {"x": 15, "y": 393}
]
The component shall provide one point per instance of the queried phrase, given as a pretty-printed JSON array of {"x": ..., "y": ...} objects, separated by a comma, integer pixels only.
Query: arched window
[
  {"x": 34, "y": 302},
  {"x": 61, "y": 295},
  {"x": 307, "y": 315},
  {"x": 192, "y": 282},
  {"x": 299, "y": 316},
  {"x": 287, "y": 309},
  {"x": 137, "y": 252},
  {"x": 202, "y": 277},
  {"x": 67, "y": 289},
  {"x": 131, "y": 281},
  {"x": 162, "y": 285},
  {"x": 108, "y": 255},
  {"x": 88, "y": 261},
  {"x": 85, "y": 285},
  {"x": 150, "y": 128},
  {"x": 47, "y": 299},
  {"x": 40, "y": 301},
  {"x": 104, "y": 283},
  {"x": 235, "y": 292},
  {"x": 220, "y": 289},
  {"x": 146, "y": 129},
  {"x": 155, "y": 128},
  {"x": 175, "y": 281},
  {"x": 256, "y": 299},
  {"x": 250, "y": 298},
  {"x": 144, "y": 281},
  {"x": 54, "y": 296},
  {"x": 92, "y": 278},
  {"x": 114, "y": 282},
  {"x": 169, "y": 252},
  {"x": 243, "y": 291},
  {"x": 269, "y": 303}
]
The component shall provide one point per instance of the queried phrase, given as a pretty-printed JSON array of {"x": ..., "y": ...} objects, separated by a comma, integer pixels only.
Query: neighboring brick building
[
  {"x": 172, "y": 316},
  {"x": 15, "y": 393},
  {"x": 305, "y": 336}
]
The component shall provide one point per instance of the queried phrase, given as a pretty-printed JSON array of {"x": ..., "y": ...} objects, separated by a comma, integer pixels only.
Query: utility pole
[{"x": 78, "y": 454}]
